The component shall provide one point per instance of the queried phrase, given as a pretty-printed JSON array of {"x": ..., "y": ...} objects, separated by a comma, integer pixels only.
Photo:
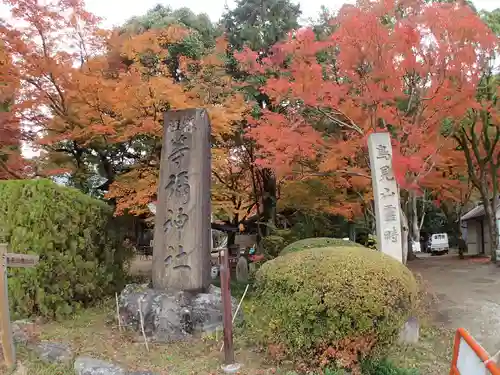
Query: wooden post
[
  {"x": 9, "y": 353},
  {"x": 227, "y": 308},
  {"x": 9, "y": 260}
]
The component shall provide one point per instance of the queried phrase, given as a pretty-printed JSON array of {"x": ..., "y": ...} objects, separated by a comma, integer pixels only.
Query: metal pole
[{"x": 227, "y": 308}]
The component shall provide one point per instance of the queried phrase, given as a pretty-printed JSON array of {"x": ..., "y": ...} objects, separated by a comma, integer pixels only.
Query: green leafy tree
[
  {"x": 159, "y": 17},
  {"x": 259, "y": 24},
  {"x": 492, "y": 19},
  {"x": 478, "y": 136}
]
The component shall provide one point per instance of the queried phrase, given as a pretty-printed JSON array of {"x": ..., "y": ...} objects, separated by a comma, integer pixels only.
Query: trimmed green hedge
[
  {"x": 318, "y": 242},
  {"x": 82, "y": 259},
  {"x": 331, "y": 306}
]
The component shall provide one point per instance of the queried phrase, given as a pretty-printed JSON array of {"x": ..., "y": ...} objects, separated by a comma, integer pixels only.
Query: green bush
[
  {"x": 385, "y": 367},
  {"x": 320, "y": 242},
  {"x": 273, "y": 244},
  {"x": 82, "y": 259},
  {"x": 382, "y": 367},
  {"x": 288, "y": 235},
  {"x": 327, "y": 306}
]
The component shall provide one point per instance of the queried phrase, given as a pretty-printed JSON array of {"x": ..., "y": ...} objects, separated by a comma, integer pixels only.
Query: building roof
[{"x": 475, "y": 213}]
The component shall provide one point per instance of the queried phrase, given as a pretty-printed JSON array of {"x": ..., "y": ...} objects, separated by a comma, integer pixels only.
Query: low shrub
[
  {"x": 288, "y": 235},
  {"x": 327, "y": 307},
  {"x": 382, "y": 367},
  {"x": 82, "y": 259},
  {"x": 319, "y": 242},
  {"x": 385, "y": 367},
  {"x": 273, "y": 244}
]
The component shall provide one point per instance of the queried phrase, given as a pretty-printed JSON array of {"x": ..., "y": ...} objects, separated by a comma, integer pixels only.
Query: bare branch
[{"x": 351, "y": 125}]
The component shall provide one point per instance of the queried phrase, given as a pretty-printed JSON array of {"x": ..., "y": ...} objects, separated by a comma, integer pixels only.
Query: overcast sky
[{"x": 115, "y": 11}]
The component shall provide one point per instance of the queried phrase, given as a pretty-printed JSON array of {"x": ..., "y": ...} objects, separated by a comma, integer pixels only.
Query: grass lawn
[
  {"x": 94, "y": 332},
  {"x": 431, "y": 356}
]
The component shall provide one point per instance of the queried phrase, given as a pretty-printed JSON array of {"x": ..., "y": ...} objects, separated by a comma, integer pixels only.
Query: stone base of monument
[{"x": 172, "y": 316}]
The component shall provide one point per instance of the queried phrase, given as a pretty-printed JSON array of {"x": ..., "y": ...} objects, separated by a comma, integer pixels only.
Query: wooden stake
[
  {"x": 9, "y": 353},
  {"x": 118, "y": 313},
  {"x": 237, "y": 309},
  {"x": 227, "y": 308},
  {"x": 141, "y": 318}
]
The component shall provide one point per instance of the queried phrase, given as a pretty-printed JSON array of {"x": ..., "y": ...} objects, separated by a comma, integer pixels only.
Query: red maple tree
[
  {"x": 402, "y": 67},
  {"x": 12, "y": 163}
]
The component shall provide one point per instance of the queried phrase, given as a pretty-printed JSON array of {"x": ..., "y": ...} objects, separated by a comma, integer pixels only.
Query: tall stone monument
[
  {"x": 385, "y": 195},
  {"x": 181, "y": 252}
]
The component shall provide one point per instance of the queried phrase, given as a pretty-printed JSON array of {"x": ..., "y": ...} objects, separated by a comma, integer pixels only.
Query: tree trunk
[
  {"x": 415, "y": 227},
  {"x": 372, "y": 221},
  {"x": 231, "y": 236},
  {"x": 407, "y": 251},
  {"x": 269, "y": 199},
  {"x": 490, "y": 207},
  {"x": 352, "y": 232}
]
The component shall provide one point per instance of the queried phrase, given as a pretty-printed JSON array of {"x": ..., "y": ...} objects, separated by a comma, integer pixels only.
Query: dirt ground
[{"x": 469, "y": 295}]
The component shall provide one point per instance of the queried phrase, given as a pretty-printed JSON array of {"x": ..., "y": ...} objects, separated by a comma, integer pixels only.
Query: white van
[{"x": 439, "y": 244}]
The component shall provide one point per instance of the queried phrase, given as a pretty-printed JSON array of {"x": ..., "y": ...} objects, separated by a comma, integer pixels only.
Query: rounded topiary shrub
[
  {"x": 324, "y": 306},
  {"x": 82, "y": 259},
  {"x": 318, "y": 242}
]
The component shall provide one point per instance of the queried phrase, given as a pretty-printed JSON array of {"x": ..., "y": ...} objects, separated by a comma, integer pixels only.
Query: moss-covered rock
[
  {"x": 323, "y": 305},
  {"x": 82, "y": 259},
  {"x": 318, "y": 242}
]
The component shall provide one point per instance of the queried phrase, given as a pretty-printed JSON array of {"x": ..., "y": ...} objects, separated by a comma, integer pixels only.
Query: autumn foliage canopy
[
  {"x": 95, "y": 99},
  {"x": 398, "y": 66},
  {"x": 11, "y": 162}
]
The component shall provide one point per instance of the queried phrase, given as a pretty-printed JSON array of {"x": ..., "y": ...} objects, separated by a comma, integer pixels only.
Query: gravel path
[{"x": 468, "y": 293}]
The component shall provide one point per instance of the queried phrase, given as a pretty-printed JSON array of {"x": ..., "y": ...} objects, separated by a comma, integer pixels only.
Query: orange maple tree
[
  {"x": 207, "y": 86},
  {"x": 389, "y": 66},
  {"x": 12, "y": 165},
  {"x": 96, "y": 97}
]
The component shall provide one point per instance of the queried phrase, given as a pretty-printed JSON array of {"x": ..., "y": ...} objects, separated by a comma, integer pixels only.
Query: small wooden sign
[
  {"x": 21, "y": 260},
  {"x": 10, "y": 260}
]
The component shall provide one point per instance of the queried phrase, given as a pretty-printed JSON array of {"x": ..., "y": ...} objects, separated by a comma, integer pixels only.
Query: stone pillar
[
  {"x": 385, "y": 196},
  {"x": 181, "y": 252}
]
